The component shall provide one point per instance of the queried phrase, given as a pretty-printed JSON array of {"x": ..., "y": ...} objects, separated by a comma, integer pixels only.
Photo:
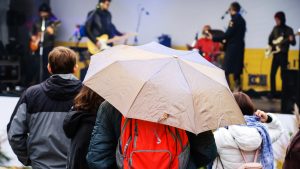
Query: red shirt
[{"x": 207, "y": 47}]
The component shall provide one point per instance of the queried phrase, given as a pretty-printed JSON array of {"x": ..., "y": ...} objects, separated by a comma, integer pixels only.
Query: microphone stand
[
  {"x": 141, "y": 11},
  {"x": 41, "y": 51}
]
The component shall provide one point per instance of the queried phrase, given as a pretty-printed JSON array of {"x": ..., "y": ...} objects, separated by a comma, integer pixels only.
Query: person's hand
[
  {"x": 291, "y": 38},
  {"x": 210, "y": 36},
  {"x": 50, "y": 30},
  {"x": 262, "y": 115},
  {"x": 99, "y": 44}
]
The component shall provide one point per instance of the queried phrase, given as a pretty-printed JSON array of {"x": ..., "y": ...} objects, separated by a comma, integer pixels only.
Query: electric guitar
[
  {"x": 275, "y": 47},
  {"x": 104, "y": 41},
  {"x": 35, "y": 39}
]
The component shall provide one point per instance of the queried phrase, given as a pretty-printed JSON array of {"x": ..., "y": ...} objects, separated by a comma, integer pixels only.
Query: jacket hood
[
  {"x": 58, "y": 88},
  {"x": 74, "y": 119}
]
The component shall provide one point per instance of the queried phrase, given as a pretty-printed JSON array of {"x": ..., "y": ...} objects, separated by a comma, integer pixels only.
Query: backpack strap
[
  {"x": 243, "y": 155},
  {"x": 179, "y": 138},
  {"x": 219, "y": 159},
  {"x": 124, "y": 126},
  {"x": 255, "y": 156}
]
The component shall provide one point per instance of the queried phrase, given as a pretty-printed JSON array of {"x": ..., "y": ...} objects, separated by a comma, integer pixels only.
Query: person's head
[
  {"x": 104, "y": 4},
  {"x": 44, "y": 10},
  {"x": 62, "y": 60},
  {"x": 279, "y": 18},
  {"x": 245, "y": 103},
  {"x": 205, "y": 30},
  {"x": 87, "y": 100},
  {"x": 234, "y": 8}
]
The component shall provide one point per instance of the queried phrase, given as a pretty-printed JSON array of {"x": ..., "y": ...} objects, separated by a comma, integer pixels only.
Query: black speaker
[{"x": 289, "y": 91}]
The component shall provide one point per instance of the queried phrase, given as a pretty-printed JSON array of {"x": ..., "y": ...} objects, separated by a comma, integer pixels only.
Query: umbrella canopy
[{"x": 163, "y": 85}]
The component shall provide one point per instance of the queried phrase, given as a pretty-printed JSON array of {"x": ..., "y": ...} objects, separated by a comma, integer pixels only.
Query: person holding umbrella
[
  {"x": 168, "y": 107},
  {"x": 107, "y": 131}
]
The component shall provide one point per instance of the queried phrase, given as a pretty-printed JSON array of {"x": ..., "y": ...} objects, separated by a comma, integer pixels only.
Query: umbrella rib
[
  {"x": 147, "y": 80},
  {"x": 189, "y": 89},
  {"x": 209, "y": 77}
]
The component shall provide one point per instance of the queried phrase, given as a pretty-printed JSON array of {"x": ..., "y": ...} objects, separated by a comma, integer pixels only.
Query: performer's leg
[
  {"x": 237, "y": 81},
  {"x": 285, "y": 100},
  {"x": 227, "y": 78},
  {"x": 274, "y": 67}
]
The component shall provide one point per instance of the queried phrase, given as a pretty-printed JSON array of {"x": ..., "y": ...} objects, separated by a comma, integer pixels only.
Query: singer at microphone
[
  {"x": 235, "y": 45},
  {"x": 42, "y": 45}
]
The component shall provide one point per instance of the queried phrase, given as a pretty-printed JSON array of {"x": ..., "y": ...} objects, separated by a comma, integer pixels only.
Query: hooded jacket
[
  {"x": 247, "y": 139},
  {"x": 78, "y": 126},
  {"x": 35, "y": 130}
]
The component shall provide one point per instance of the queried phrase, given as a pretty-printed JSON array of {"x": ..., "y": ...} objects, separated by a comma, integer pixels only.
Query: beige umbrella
[{"x": 162, "y": 85}]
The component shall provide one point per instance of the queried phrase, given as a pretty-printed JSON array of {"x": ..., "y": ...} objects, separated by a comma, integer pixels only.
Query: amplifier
[{"x": 257, "y": 80}]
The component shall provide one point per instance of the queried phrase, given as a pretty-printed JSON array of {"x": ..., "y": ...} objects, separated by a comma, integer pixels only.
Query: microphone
[
  {"x": 146, "y": 12},
  {"x": 223, "y": 16}
]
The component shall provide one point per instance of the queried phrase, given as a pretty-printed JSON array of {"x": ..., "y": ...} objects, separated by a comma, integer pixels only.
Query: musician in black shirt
[
  {"x": 99, "y": 23},
  {"x": 281, "y": 38},
  {"x": 235, "y": 45}
]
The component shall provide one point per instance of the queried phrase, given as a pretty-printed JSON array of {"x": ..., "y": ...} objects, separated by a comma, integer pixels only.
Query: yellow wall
[{"x": 255, "y": 63}]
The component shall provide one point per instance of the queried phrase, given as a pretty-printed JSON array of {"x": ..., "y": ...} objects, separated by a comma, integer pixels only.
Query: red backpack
[{"x": 147, "y": 145}]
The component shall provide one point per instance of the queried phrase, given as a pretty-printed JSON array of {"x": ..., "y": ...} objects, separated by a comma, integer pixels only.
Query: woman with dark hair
[
  {"x": 240, "y": 144},
  {"x": 79, "y": 124}
]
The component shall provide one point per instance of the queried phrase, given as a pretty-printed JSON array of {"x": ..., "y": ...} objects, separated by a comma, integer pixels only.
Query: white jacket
[{"x": 248, "y": 139}]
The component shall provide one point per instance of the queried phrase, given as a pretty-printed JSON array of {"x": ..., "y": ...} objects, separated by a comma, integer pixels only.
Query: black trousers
[
  {"x": 279, "y": 60},
  {"x": 236, "y": 77}
]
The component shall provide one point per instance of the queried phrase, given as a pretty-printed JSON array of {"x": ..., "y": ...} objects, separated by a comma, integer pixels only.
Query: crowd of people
[{"x": 61, "y": 123}]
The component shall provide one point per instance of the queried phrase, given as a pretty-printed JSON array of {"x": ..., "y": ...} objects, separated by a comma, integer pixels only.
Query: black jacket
[
  {"x": 78, "y": 126},
  {"x": 99, "y": 23},
  {"x": 35, "y": 129},
  {"x": 285, "y": 31},
  {"x": 106, "y": 133},
  {"x": 235, "y": 45}
]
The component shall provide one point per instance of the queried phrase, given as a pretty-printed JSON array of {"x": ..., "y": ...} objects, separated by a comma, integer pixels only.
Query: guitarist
[
  {"x": 99, "y": 23},
  {"x": 281, "y": 36},
  {"x": 49, "y": 36}
]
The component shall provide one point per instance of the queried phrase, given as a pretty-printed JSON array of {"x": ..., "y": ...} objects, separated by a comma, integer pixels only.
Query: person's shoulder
[
  {"x": 33, "y": 90},
  {"x": 106, "y": 105},
  {"x": 289, "y": 28}
]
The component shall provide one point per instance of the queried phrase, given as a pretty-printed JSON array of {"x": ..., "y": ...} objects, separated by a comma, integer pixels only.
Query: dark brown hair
[
  {"x": 87, "y": 100},
  {"x": 245, "y": 103},
  {"x": 62, "y": 60}
]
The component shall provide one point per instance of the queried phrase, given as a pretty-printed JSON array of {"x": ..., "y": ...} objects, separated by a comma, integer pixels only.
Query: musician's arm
[
  {"x": 115, "y": 30},
  {"x": 88, "y": 27},
  {"x": 271, "y": 38},
  {"x": 291, "y": 37},
  {"x": 228, "y": 34}
]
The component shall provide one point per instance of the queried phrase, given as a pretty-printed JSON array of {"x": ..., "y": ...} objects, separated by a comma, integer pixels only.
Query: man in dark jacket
[
  {"x": 102, "y": 150},
  {"x": 280, "y": 59},
  {"x": 235, "y": 45},
  {"x": 99, "y": 23},
  {"x": 35, "y": 130}
]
